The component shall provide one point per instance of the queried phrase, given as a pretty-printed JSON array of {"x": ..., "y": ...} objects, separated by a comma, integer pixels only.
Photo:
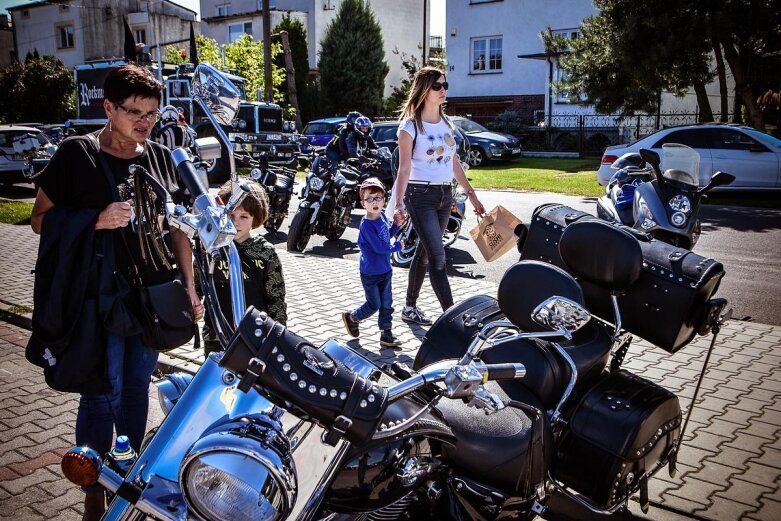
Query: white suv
[{"x": 753, "y": 157}]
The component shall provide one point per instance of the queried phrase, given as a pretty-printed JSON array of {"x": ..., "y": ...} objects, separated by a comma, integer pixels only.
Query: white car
[
  {"x": 24, "y": 151},
  {"x": 753, "y": 157}
]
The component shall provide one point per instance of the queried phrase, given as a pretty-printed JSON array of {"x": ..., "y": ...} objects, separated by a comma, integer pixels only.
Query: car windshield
[
  {"x": 767, "y": 138},
  {"x": 7, "y": 137},
  {"x": 467, "y": 125},
  {"x": 319, "y": 128},
  {"x": 681, "y": 163}
]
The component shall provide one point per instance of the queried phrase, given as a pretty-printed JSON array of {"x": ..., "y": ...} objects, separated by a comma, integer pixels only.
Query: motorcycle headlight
[
  {"x": 678, "y": 219},
  {"x": 171, "y": 388},
  {"x": 315, "y": 183},
  {"x": 680, "y": 203},
  {"x": 242, "y": 124},
  {"x": 460, "y": 196},
  {"x": 243, "y": 471},
  {"x": 643, "y": 214}
]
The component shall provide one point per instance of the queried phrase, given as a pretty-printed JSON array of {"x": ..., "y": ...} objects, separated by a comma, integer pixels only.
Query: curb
[{"x": 9, "y": 313}]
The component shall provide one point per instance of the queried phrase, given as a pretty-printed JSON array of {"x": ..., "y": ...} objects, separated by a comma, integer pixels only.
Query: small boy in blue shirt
[{"x": 374, "y": 237}]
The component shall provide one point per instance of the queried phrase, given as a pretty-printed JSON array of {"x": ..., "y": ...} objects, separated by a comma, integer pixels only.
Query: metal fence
[{"x": 585, "y": 134}]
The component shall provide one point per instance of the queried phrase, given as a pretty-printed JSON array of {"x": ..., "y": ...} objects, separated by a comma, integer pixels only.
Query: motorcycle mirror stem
[
  {"x": 653, "y": 159},
  {"x": 717, "y": 179}
]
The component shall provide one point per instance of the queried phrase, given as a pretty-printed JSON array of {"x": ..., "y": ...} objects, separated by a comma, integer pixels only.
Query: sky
[{"x": 437, "y": 24}]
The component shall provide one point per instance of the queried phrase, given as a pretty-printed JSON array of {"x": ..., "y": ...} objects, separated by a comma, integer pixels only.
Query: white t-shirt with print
[{"x": 434, "y": 153}]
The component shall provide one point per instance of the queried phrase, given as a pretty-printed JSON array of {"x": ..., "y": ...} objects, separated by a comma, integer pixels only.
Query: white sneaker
[{"x": 413, "y": 315}]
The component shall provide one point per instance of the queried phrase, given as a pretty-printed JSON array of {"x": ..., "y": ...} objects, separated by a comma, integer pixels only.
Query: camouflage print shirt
[{"x": 264, "y": 285}]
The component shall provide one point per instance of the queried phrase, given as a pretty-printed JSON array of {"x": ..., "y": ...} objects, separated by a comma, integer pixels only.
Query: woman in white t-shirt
[{"x": 427, "y": 165}]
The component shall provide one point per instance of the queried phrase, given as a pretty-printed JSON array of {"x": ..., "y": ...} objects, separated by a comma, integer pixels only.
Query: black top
[
  {"x": 74, "y": 178},
  {"x": 264, "y": 284}
]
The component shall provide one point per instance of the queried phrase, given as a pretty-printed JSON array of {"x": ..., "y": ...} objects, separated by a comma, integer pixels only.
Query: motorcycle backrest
[
  {"x": 527, "y": 284},
  {"x": 601, "y": 253}
]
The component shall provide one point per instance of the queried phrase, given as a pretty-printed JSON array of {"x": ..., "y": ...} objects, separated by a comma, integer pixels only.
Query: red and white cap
[{"x": 372, "y": 182}]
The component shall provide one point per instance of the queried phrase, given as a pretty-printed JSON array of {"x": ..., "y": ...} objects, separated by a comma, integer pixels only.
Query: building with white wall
[
  {"x": 496, "y": 59},
  {"x": 77, "y": 31},
  {"x": 404, "y": 25}
]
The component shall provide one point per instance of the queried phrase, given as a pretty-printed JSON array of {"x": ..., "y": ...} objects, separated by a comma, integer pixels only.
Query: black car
[
  {"x": 485, "y": 145},
  {"x": 384, "y": 134}
]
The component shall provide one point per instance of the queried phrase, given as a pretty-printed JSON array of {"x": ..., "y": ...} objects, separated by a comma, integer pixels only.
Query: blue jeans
[
  {"x": 429, "y": 209},
  {"x": 379, "y": 297},
  {"x": 130, "y": 367}
]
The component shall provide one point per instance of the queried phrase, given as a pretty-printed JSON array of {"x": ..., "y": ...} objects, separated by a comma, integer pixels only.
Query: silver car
[
  {"x": 24, "y": 151},
  {"x": 753, "y": 157}
]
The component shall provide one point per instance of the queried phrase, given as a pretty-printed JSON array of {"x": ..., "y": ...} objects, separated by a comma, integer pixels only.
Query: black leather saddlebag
[
  {"x": 547, "y": 374},
  {"x": 667, "y": 306},
  {"x": 622, "y": 431},
  {"x": 292, "y": 372},
  {"x": 545, "y": 229}
]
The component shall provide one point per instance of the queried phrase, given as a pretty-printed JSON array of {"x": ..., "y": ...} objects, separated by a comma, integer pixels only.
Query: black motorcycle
[
  {"x": 327, "y": 200},
  {"x": 277, "y": 428},
  {"x": 278, "y": 182}
]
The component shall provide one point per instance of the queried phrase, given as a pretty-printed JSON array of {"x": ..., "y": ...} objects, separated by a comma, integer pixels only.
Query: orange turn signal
[{"x": 81, "y": 466}]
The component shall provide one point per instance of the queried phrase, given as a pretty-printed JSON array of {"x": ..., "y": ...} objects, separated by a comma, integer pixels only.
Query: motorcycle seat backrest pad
[
  {"x": 527, "y": 284},
  {"x": 602, "y": 254}
]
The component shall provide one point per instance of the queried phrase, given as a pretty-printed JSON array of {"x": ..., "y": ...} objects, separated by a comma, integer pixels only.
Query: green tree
[
  {"x": 40, "y": 89},
  {"x": 296, "y": 34},
  {"x": 748, "y": 34},
  {"x": 395, "y": 102},
  {"x": 246, "y": 56},
  {"x": 352, "y": 61},
  {"x": 171, "y": 55},
  {"x": 631, "y": 51},
  {"x": 12, "y": 86},
  {"x": 208, "y": 50}
]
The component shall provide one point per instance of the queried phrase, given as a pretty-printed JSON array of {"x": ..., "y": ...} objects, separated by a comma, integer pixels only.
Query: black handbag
[{"x": 166, "y": 315}]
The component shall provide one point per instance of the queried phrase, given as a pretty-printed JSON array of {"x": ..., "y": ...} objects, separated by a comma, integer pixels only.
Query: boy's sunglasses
[{"x": 439, "y": 86}]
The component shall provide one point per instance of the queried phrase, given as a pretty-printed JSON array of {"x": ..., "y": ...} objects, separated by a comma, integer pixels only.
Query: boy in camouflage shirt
[{"x": 264, "y": 284}]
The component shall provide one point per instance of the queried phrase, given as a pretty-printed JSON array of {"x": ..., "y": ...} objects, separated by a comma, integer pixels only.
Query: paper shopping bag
[{"x": 495, "y": 232}]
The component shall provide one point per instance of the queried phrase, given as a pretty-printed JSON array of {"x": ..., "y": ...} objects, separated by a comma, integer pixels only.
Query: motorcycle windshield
[{"x": 681, "y": 163}]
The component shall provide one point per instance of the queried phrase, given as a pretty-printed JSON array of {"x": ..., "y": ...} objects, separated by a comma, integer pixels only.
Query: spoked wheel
[
  {"x": 300, "y": 230},
  {"x": 403, "y": 257}
]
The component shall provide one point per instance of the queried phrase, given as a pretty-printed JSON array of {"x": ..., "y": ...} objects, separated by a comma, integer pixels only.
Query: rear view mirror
[
  {"x": 651, "y": 157},
  {"x": 721, "y": 179},
  {"x": 217, "y": 92},
  {"x": 717, "y": 179},
  {"x": 559, "y": 313}
]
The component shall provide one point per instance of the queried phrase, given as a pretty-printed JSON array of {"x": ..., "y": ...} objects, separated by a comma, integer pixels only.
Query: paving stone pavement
[{"x": 729, "y": 467}]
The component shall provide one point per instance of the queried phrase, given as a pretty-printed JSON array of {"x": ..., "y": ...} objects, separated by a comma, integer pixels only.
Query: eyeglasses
[
  {"x": 437, "y": 86},
  {"x": 374, "y": 199},
  {"x": 137, "y": 115}
]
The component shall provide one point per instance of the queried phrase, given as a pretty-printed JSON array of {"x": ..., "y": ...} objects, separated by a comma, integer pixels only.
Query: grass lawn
[
  {"x": 15, "y": 212},
  {"x": 569, "y": 176}
]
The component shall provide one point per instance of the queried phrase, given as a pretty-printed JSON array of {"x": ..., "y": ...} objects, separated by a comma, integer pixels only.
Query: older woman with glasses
[
  {"x": 84, "y": 196},
  {"x": 428, "y": 162}
]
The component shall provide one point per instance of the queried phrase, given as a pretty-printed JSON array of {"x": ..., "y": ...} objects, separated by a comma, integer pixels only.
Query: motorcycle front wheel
[{"x": 300, "y": 230}]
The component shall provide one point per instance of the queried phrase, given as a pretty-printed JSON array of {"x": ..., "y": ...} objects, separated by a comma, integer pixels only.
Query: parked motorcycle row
[
  {"x": 511, "y": 400},
  {"x": 330, "y": 194}
]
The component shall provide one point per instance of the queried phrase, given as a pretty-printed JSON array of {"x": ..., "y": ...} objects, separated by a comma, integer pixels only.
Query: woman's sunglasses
[{"x": 437, "y": 86}]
